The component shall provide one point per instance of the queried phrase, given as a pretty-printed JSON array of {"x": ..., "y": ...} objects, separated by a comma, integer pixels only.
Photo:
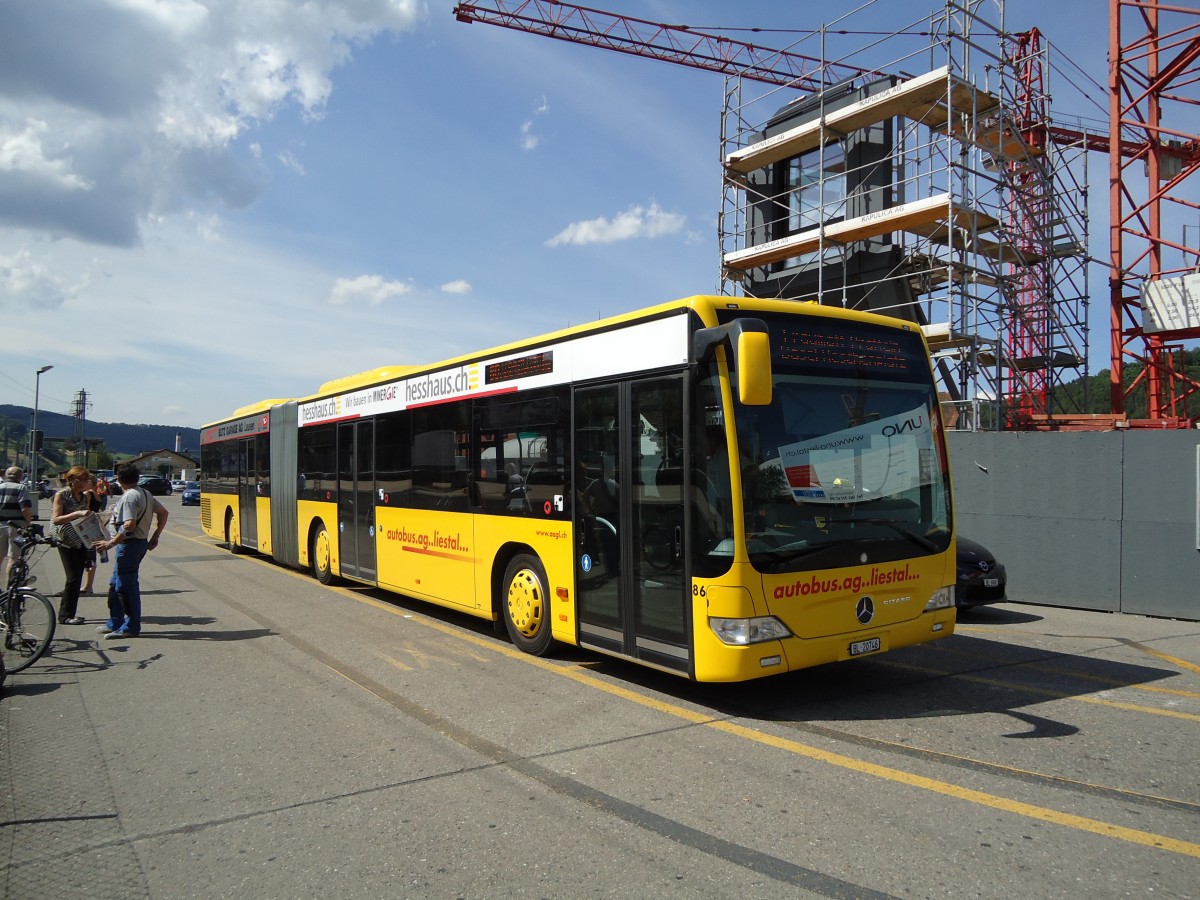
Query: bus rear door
[
  {"x": 247, "y": 490},
  {"x": 356, "y": 500}
]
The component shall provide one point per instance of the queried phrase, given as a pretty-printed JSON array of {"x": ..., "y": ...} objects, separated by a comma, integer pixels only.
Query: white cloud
[
  {"x": 23, "y": 152},
  {"x": 26, "y": 283},
  {"x": 114, "y": 111},
  {"x": 529, "y": 140},
  {"x": 244, "y": 59},
  {"x": 289, "y": 160},
  {"x": 635, "y": 222},
  {"x": 208, "y": 227},
  {"x": 157, "y": 307},
  {"x": 460, "y": 286},
  {"x": 371, "y": 289}
]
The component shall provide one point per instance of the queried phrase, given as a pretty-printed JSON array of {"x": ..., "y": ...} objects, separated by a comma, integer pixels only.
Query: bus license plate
[{"x": 870, "y": 645}]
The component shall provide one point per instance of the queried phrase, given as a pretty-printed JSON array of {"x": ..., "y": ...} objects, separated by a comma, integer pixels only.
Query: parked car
[
  {"x": 981, "y": 579},
  {"x": 178, "y": 484},
  {"x": 155, "y": 484},
  {"x": 42, "y": 489},
  {"x": 191, "y": 494}
]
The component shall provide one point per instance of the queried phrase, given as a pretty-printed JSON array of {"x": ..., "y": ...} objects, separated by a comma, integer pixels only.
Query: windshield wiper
[
  {"x": 899, "y": 528},
  {"x": 781, "y": 555}
]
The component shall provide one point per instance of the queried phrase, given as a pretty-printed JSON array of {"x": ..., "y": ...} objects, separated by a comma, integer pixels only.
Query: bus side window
[
  {"x": 393, "y": 459},
  {"x": 439, "y": 457},
  {"x": 318, "y": 465},
  {"x": 520, "y": 450}
]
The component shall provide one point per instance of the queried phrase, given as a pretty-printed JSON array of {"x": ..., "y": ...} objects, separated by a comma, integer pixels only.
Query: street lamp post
[{"x": 34, "y": 452}]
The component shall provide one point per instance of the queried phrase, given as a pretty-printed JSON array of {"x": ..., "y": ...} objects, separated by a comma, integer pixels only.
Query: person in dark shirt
[{"x": 15, "y": 509}]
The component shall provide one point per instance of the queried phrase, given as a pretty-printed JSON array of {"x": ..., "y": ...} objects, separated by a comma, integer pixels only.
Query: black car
[
  {"x": 981, "y": 579},
  {"x": 191, "y": 494},
  {"x": 155, "y": 484}
]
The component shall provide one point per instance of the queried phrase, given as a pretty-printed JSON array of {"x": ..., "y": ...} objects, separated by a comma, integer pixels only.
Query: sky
[{"x": 208, "y": 203}]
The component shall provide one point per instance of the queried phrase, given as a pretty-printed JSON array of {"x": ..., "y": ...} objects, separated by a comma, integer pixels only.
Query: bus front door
[
  {"x": 629, "y": 520},
  {"x": 356, "y": 500}
]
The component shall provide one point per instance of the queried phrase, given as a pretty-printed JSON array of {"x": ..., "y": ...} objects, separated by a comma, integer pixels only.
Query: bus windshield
[{"x": 846, "y": 465}]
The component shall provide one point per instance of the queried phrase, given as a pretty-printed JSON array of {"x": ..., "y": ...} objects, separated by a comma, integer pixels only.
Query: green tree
[{"x": 1093, "y": 394}]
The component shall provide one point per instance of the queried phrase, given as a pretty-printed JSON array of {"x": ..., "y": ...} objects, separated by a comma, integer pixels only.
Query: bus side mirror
[
  {"x": 747, "y": 351},
  {"x": 754, "y": 368}
]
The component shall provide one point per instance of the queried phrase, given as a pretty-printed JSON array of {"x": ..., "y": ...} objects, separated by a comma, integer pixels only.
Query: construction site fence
[{"x": 1106, "y": 521}]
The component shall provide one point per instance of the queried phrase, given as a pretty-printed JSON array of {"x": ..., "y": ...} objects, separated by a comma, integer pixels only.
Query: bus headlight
[
  {"x": 742, "y": 632},
  {"x": 942, "y": 598}
]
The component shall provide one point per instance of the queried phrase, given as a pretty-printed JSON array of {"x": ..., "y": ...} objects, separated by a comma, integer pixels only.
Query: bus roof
[
  {"x": 371, "y": 376},
  {"x": 704, "y": 305}
]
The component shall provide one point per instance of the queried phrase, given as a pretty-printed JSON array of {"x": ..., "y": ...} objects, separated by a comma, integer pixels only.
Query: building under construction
[
  {"x": 920, "y": 171},
  {"x": 914, "y": 189}
]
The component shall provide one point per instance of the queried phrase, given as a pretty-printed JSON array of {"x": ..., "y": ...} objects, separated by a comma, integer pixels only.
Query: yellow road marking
[
  {"x": 1046, "y": 692},
  {"x": 1071, "y": 673},
  {"x": 395, "y": 662},
  {"x": 1166, "y": 657},
  {"x": 1016, "y": 807},
  {"x": 1094, "y": 826},
  {"x": 1145, "y": 838},
  {"x": 1149, "y": 651}
]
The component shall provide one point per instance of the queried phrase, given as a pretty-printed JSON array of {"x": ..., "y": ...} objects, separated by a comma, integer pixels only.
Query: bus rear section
[{"x": 235, "y": 500}]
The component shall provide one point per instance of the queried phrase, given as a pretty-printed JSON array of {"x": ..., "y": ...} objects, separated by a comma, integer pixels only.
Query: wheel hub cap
[{"x": 525, "y": 605}]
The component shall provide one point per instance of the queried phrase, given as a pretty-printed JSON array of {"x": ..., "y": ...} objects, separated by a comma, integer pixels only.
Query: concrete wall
[{"x": 1104, "y": 521}]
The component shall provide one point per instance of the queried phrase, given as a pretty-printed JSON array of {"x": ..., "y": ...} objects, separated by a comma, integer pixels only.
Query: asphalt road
[{"x": 270, "y": 737}]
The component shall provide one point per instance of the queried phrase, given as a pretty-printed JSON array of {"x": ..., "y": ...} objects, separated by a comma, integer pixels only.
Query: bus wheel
[
  {"x": 320, "y": 557},
  {"x": 527, "y": 604},
  {"x": 230, "y": 537}
]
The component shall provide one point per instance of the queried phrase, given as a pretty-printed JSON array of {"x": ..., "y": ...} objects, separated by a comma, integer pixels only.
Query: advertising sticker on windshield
[{"x": 879, "y": 458}]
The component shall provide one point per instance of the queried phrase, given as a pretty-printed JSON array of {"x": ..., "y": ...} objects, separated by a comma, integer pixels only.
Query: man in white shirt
[{"x": 132, "y": 518}]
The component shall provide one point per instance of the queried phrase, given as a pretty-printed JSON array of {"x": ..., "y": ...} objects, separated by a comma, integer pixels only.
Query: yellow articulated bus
[{"x": 722, "y": 488}]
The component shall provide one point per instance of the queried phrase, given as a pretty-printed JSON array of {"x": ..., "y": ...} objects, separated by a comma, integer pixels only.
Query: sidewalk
[{"x": 60, "y": 832}]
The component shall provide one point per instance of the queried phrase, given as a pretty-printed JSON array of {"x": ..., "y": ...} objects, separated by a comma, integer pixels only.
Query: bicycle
[{"x": 27, "y": 618}]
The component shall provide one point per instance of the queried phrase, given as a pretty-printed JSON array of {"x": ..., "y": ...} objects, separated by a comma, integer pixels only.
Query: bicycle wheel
[{"x": 28, "y": 629}]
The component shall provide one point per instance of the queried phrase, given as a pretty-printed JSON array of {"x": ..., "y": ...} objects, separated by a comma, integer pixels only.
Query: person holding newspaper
[{"x": 69, "y": 511}]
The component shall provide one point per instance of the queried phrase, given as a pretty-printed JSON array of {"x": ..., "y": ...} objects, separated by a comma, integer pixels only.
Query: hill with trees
[
  {"x": 1092, "y": 394},
  {"x": 107, "y": 439}
]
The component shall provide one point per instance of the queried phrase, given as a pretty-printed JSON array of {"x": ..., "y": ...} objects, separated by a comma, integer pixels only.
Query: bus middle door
[
  {"x": 356, "y": 500},
  {"x": 629, "y": 520}
]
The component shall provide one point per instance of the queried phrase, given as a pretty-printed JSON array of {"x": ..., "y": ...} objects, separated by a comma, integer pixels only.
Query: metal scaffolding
[{"x": 926, "y": 188}]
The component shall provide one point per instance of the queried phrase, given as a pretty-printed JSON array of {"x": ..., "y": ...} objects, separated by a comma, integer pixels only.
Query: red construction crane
[
  {"x": 1142, "y": 84},
  {"x": 670, "y": 43},
  {"x": 1153, "y": 80}
]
